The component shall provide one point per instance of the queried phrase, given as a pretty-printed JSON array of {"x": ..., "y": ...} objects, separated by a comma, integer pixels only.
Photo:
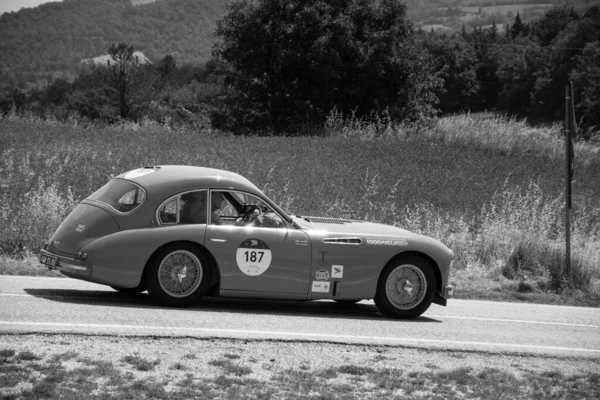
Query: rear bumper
[
  {"x": 442, "y": 298},
  {"x": 68, "y": 265}
]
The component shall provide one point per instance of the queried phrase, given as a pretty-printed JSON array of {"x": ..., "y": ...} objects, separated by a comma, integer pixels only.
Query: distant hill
[
  {"x": 38, "y": 45},
  {"x": 49, "y": 41}
]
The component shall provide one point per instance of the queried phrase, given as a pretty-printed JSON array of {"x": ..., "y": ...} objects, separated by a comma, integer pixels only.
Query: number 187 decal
[{"x": 253, "y": 257}]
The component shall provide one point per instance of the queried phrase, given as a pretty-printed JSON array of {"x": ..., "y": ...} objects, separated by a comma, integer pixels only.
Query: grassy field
[{"x": 491, "y": 188}]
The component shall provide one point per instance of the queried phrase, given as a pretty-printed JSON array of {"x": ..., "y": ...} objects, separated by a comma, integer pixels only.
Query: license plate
[{"x": 49, "y": 261}]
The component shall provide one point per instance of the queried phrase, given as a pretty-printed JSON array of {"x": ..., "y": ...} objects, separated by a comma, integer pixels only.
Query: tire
[
  {"x": 133, "y": 290},
  {"x": 179, "y": 275},
  {"x": 406, "y": 287}
]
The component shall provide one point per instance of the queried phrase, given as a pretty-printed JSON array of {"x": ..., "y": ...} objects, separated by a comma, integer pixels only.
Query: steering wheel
[{"x": 249, "y": 213}]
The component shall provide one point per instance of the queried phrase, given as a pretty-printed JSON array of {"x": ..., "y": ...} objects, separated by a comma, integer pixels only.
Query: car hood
[{"x": 348, "y": 226}]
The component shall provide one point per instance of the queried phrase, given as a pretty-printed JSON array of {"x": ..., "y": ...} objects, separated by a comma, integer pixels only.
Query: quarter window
[
  {"x": 123, "y": 196},
  {"x": 168, "y": 212}
]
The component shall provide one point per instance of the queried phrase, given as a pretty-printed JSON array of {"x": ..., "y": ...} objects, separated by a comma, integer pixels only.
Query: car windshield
[{"x": 122, "y": 195}]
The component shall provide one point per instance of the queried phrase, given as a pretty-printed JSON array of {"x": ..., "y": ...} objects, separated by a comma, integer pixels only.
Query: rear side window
[{"x": 121, "y": 195}]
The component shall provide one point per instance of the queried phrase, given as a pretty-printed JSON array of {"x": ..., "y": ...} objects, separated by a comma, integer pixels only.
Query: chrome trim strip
[{"x": 354, "y": 241}]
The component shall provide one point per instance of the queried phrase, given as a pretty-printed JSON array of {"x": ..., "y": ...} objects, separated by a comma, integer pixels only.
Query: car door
[{"x": 268, "y": 260}]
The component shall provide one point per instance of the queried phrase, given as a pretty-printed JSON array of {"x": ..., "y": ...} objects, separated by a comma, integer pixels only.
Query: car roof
[{"x": 170, "y": 179}]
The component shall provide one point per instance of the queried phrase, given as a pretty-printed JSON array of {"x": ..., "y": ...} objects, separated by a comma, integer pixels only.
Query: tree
[
  {"x": 293, "y": 61},
  {"x": 518, "y": 63},
  {"x": 518, "y": 28},
  {"x": 166, "y": 66},
  {"x": 586, "y": 81},
  {"x": 122, "y": 69},
  {"x": 487, "y": 66},
  {"x": 548, "y": 98},
  {"x": 548, "y": 27},
  {"x": 456, "y": 62},
  {"x": 131, "y": 82}
]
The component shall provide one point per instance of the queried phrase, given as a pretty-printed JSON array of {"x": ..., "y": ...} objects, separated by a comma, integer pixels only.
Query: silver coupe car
[{"x": 183, "y": 232}]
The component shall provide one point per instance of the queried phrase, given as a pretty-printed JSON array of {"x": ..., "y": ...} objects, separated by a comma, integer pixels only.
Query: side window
[
  {"x": 131, "y": 200},
  {"x": 187, "y": 208},
  {"x": 192, "y": 208},
  {"x": 242, "y": 209},
  {"x": 168, "y": 212}
]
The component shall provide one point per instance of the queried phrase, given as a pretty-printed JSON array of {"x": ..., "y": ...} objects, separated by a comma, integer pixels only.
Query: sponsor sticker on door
[
  {"x": 337, "y": 271},
  {"x": 322, "y": 275},
  {"x": 320, "y": 286}
]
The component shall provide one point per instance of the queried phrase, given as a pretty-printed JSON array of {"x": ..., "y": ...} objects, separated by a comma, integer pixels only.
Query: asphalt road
[{"x": 40, "y": 305}]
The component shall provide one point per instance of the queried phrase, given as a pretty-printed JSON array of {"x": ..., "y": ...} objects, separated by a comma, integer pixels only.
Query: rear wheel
[
  {"x": 406, "y": 287},
  {"x": 179, "y": 275}
]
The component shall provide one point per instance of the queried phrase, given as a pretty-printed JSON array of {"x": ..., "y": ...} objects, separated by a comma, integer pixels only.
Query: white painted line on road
[
  {"x": 50, "y": 296},
  {"x": 524, "y": 305},
  {"x": 520, "y": 321},
  {"x": 305, "y": 335}
]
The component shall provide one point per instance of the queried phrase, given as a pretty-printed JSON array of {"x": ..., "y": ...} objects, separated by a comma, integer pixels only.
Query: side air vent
[
  {"x": 346, "y": 240},
  {"x": 322, "y": 220}
]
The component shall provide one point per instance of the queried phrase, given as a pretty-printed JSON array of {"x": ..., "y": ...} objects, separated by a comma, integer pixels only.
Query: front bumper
[{"x": 442, "y": 298}]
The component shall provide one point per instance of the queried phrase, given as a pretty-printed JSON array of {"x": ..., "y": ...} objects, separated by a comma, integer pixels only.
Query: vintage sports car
[{"x": 183, "y": 232}]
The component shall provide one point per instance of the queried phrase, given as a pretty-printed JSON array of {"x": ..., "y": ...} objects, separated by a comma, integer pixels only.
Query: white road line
[
  {"x": 313, "y": 336},
  {"x": 518, "y": 321},
  {"x": 525, "y": 305}
]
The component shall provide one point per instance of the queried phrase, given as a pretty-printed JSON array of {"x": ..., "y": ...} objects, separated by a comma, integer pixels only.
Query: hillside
[
  {"x": 41, "y": 44},
  {"x": 49, "y": 41}
]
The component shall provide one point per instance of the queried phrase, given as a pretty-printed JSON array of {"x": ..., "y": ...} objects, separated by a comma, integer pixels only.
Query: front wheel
[
  {"x": 406, "y": 287},
  {"x": 179, "y": 275}
]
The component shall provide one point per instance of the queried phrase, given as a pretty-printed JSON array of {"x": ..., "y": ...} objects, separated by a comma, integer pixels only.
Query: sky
[{"x": 15, "y": 5}]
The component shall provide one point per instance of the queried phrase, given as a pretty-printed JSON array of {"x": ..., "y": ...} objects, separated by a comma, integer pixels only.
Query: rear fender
[{"x": 120, "y": 258}]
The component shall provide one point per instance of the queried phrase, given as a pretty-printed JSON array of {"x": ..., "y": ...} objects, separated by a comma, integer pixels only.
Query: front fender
[{"x": 119, "y": 259}]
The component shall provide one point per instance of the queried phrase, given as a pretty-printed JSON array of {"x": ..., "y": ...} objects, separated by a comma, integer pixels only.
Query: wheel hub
[
  {"x": 407, "y": 287},
  {"x": 182, "y": 274}
]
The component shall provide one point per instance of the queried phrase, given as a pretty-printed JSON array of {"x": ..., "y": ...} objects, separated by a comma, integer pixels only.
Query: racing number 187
[{"x": 252, "y": 256}]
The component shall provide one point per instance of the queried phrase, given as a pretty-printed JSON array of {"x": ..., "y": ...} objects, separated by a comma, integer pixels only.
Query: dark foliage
[
  {"x": 293, "y": 61},
  {"x": 284, "y": 64}
]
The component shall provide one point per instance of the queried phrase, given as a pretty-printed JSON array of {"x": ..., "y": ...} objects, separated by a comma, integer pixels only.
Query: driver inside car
[
  {"x": 239, "y": 209},
  {"x": 259, "y": 218}
]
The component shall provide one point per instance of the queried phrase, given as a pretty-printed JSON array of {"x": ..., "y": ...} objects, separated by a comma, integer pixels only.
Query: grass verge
[{"x": 488, "y": 187}]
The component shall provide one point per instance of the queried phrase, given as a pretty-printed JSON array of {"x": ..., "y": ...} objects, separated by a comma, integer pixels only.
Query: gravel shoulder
[
  {"x": 267, "y": 357},
  {"x": 59, "y": 366}
]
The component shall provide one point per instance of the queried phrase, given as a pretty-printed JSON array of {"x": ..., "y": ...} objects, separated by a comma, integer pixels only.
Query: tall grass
[{"x": 490, "y": 188}]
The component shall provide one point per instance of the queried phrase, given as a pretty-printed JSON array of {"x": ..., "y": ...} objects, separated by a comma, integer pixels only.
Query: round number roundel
[{"x": 253, "y": 257}]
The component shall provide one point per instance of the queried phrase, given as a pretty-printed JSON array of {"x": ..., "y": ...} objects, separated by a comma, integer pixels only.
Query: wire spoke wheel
[
  {"x": 406, "y": 287},
  {"x": 180, "y": 273}
]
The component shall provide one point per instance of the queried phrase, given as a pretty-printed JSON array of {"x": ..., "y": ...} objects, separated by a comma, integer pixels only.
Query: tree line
[{"x": 281, "y": 65}]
